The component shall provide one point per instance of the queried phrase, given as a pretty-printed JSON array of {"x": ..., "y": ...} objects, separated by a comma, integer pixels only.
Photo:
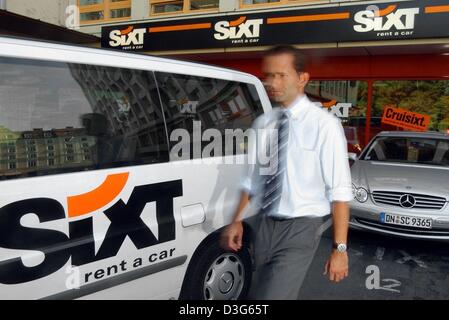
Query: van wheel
[{"x": 218, "y": 275}]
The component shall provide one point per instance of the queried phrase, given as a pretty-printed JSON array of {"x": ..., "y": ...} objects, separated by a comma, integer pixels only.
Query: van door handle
[{"x": 192, "y": 215}]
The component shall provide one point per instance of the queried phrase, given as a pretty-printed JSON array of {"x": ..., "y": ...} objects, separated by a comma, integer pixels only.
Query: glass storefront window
[
  {"x": 427, "y": 97},
  {"x": 347, "y": 100}
]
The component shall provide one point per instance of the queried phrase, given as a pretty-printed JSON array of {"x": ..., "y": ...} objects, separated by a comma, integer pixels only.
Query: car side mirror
[{"x": 352, "y": 156}]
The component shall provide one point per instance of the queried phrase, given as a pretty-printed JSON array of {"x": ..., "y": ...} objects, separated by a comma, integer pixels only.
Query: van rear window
[{"x": 59, "y": 117}]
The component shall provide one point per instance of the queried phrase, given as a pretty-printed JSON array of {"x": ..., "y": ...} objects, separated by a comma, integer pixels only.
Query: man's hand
[
  {"x": 337, "y": 266},
  {"x": 231, "y": 237}
]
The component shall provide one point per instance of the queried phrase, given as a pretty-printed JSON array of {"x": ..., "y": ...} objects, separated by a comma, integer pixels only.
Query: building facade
[
  {"x": 51, "y": 20},
  {"x": 50, "y": 11}
]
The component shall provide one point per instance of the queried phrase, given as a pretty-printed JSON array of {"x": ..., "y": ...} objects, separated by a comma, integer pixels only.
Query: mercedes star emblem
[{"x": 407, "y": 201}]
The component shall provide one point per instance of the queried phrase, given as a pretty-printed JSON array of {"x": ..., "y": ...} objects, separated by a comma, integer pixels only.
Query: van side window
[
  {"x": 196, "y": 104},
  {"x": 58, "y": 118}
]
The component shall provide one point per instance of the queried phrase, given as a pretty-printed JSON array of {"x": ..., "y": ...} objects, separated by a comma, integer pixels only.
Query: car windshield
[{"x": 409, "y": 150}]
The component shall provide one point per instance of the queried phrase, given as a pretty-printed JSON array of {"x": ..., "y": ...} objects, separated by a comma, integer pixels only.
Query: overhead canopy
[
  {"x": 341, "y": 25},
  {"x": 18, "y": 25}
]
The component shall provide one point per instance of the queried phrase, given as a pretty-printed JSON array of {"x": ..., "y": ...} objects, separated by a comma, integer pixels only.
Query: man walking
[{"x": 310, "y": 179}]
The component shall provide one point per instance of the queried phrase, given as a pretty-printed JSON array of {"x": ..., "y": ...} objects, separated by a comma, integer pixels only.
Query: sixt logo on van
[
  {"x": 238, "y": 30},
  {"x": 386, "y": 19},
  {"x": 78, "y": 242},
  {"x": 128, "y": 37}
]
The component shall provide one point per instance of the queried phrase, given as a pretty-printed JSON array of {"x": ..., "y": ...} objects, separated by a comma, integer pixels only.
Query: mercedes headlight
[{"x": 360, "y": 194}]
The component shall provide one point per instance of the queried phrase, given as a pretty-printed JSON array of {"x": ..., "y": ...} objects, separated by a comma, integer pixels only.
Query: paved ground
[{"x": 406, "y": 269}]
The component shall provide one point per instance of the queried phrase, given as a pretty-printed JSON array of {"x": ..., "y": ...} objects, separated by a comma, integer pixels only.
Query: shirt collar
[{"x": 297, "y": 108}]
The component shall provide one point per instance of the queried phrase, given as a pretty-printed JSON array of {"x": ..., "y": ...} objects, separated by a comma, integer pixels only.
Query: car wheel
[{"x": 218, "y": 275}]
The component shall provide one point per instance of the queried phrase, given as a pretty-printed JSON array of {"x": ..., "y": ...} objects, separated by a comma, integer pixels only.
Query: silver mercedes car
[{"x": 401, "y": 185}]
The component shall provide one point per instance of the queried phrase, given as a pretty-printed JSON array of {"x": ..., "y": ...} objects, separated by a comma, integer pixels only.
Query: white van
[{"x": 92, "y": 204}]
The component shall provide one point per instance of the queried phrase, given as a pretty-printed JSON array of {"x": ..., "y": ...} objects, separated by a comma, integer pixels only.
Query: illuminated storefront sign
[{"x": 383, "y": 21}]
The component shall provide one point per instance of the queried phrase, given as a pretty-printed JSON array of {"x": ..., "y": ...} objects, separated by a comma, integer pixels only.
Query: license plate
[{"x": 397, "y": 219}]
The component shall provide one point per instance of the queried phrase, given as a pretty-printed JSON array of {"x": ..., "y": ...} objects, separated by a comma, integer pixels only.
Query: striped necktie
[{"x": 273, "y": 182}]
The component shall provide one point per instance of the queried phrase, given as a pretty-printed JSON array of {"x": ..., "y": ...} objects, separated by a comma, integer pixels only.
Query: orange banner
[{"x": 406, "y": 119}]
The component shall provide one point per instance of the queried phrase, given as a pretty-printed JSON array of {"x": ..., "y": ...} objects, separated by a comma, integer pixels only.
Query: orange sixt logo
[
  {"x": 238, "y": 29},
  {"x": 78, "y": 242},
  {"x": 127, "y": 37},
  {"x": 386, "y": 19}
]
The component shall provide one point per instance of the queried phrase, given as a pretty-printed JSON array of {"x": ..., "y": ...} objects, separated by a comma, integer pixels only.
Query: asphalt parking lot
[{"x": 382, "y": 268}]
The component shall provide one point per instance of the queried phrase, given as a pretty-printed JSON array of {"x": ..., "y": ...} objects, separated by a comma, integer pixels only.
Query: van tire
[{"x": 215, "y": 274}]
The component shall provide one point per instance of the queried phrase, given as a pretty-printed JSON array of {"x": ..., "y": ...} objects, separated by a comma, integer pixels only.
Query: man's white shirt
[{"x": 317, "y": 167}]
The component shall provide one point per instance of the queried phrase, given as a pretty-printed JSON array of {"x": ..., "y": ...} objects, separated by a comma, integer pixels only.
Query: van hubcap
[{"x": 225, "y": 278}]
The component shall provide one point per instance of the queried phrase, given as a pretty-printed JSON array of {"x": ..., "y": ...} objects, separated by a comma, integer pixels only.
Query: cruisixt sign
[{"x": 406, "y": 119}]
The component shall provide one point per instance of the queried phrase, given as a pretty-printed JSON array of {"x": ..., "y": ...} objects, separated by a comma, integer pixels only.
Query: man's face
[{"x": 282, "y": 82}]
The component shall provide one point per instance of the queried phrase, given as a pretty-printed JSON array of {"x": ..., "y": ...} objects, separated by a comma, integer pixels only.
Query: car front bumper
[{"x": 366, "y": 216}]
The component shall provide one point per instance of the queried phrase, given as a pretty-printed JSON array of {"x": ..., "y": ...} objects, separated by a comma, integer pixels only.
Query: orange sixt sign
[{"x": 405, "y": 119}]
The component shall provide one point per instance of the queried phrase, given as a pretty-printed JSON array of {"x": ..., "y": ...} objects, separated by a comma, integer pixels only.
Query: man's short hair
[{"x": 299, "y": 61}]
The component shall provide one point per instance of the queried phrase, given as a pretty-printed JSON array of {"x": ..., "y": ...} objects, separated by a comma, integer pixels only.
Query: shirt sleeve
[
  {"x": 247, "y": 181},
  {"x": 250, "y": 177},
  {"x": 335, "y": 164}
]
